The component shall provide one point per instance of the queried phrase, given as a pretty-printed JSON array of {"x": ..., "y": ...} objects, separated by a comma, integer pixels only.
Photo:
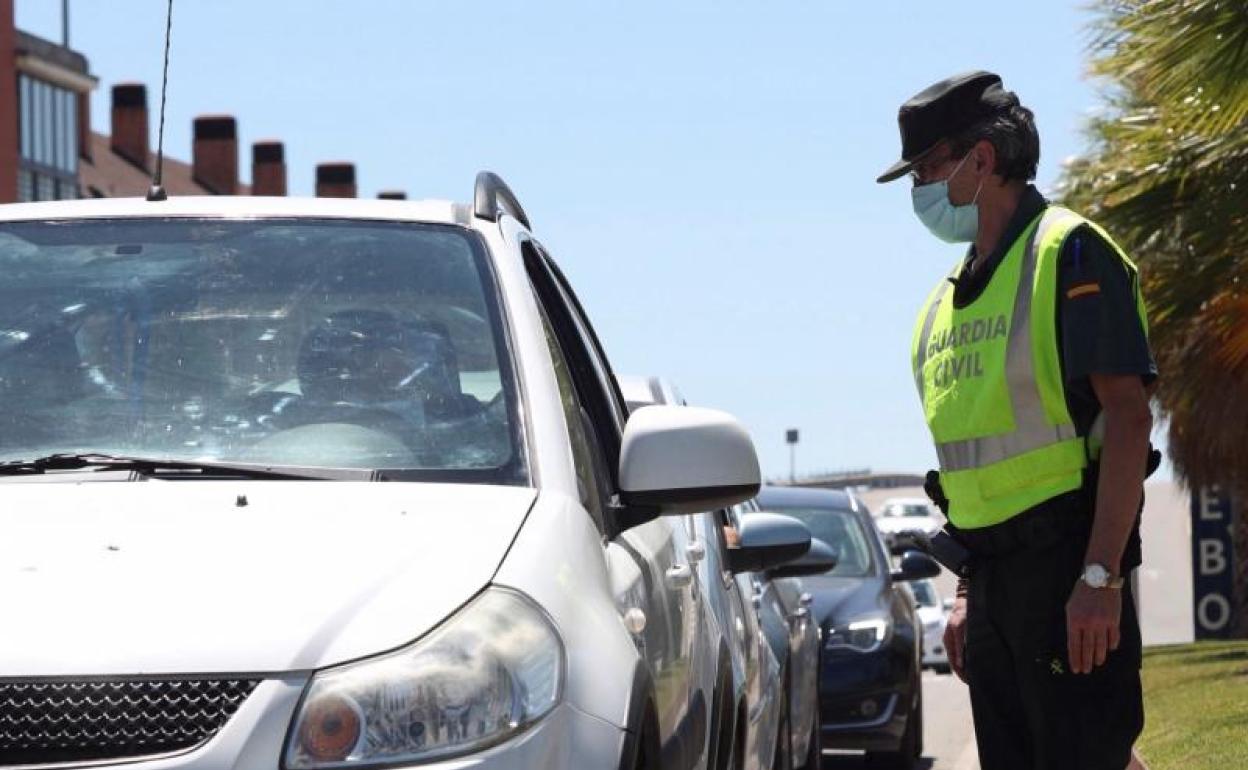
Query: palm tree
[{"x": 1168, "y": 175}]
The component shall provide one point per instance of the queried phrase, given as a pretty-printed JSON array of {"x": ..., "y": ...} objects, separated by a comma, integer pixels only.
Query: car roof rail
[{"x": 492, "y": 198}]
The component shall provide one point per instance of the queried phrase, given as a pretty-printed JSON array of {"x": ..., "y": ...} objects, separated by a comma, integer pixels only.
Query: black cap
[{"x": 944, "y": 109}]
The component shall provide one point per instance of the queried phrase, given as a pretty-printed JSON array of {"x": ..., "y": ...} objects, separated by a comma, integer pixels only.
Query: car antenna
[{"x": 157, "y": 191}]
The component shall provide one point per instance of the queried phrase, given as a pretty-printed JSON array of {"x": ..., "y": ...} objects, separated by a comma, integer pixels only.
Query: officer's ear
[{"x": 983, "y": 159}]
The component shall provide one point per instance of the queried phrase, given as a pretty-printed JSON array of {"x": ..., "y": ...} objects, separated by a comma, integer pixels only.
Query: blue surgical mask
[{"x": 950, "y": 223}]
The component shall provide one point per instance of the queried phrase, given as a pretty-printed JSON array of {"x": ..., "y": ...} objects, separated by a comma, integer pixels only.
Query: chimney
[
  {"x": 335, "y": 180},
  {"x": 214, "y": 153},
  {"x": 130, "y": 137},
  {"x": 392, "y": 195},
  {"x": 9, "y": 140},
  {"x": 268, "y": 168},
  {"x": 84, "y": 125}
]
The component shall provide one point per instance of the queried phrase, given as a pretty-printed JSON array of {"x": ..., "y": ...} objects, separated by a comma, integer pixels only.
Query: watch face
[{"x": 1096, "y": 576}]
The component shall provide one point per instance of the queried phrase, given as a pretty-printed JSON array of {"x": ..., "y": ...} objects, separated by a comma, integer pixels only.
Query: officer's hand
[
  {"x": 955, "y": 637},
  {"x": 1092, "y": 616}
]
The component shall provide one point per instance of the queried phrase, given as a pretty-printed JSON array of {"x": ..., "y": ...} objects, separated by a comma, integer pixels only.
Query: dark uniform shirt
[
  {"x": 1097, "y": 323},
  {"x": 1098, "y": 328}
]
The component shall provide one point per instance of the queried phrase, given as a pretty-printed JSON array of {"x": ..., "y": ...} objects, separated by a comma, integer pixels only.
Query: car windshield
[
  {"x": 286, "y": 342},
  {"x": 909, "y": 510},
  {"x": 842, "y": 531},
  {"x": 923, "y": 594}
]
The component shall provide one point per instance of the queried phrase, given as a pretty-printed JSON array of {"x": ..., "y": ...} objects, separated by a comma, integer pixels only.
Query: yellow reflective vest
[{"x": 989, "y": 376}]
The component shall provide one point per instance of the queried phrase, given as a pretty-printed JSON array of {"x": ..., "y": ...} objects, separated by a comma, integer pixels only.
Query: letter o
[{"x": 1220, "y": 615}]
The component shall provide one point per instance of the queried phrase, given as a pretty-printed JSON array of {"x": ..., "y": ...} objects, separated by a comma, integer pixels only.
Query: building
[
  {"x": 50, "y": 152},
  {"x": 48, "y": 87}
]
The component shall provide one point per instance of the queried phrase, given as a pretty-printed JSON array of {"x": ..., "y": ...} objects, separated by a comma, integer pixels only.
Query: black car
[{"x": 870, "y": 693}]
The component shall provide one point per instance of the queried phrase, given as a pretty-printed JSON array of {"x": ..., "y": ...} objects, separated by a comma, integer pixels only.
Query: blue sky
[{"x": 704, "y": 172}]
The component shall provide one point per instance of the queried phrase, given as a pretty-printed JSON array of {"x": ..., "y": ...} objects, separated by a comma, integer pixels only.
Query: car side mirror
[
  {"x": 818, "y": 560},
  {"x": 916, "y": 565},
  {"x": 684, "y": 459},
  {"x": 947, "y": 604},
  {"x": 766, "y": 541}
]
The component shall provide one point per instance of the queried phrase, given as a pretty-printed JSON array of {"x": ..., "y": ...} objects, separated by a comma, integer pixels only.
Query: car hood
[
  {"x": 839, "y": 600},
  {"x": 248, "y": 576}
]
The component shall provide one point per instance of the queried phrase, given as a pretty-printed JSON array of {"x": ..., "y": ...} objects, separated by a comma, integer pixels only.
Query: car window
[
  {"x": 842, "y": 531},
  {"x": 924, "y": 595},
  {"x": 591, "y": 374},
  {"x": 286, "y": 342},
  {"x": 907, "y": 510},
  {"x": 591, "y": 483},
  {"x": 602, "y": 365}
]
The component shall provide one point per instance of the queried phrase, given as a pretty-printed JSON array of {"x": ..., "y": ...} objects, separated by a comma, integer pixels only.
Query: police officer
[{"x": 1033, "y": 367}]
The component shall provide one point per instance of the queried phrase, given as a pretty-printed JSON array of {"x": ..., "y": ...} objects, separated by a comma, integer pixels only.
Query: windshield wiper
[{"x": 149, "y": 466}]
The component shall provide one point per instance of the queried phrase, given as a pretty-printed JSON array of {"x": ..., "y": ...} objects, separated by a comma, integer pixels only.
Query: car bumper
[
  {"x": 864, "y": 700},
  {"x": 253, "y": 739}
]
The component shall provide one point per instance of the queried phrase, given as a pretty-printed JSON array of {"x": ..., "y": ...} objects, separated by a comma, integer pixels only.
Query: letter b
[{"x": 1212, "y": 557}]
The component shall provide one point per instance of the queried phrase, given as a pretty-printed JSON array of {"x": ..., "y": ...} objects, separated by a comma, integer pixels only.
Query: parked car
[
  {"x": 245, "y": 593},
  {"x": 870, "y": 688},
  {"x": 776, "y": 675},
  {"x": 933, "y": 613},
  {"x": 908, "y": 514},
  {"x": 784, "y": 615}
]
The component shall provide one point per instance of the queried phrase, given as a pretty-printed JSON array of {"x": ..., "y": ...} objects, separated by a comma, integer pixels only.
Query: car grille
[{"x": 81, "y": 721}]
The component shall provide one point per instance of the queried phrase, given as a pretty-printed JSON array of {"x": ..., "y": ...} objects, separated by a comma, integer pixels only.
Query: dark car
[{"x": 870, "y": 693}]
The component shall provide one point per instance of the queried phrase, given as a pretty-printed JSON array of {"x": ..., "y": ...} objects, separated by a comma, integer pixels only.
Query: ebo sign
[{"x": 1212, "y": 567}]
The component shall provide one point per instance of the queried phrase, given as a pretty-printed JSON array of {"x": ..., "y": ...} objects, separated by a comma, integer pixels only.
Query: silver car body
[
  {"x": 290, "y": 578},
  {"x": 933, "y": 615},
  {"x": 907, "y": 514}
]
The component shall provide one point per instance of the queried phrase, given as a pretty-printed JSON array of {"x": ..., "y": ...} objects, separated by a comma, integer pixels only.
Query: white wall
[{"x": 1165, "y": 581}]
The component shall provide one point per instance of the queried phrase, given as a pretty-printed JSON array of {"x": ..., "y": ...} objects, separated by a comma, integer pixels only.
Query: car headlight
[
  {"x": 487, "y": 673},
  {"x": 862, "y": 635}
]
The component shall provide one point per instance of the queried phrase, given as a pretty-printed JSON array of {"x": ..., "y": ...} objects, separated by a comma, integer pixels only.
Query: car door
[
  {"x": 651, "y": 577},
  {"x": 764, "y": 690},
  {"x": 803, "y": 660}
]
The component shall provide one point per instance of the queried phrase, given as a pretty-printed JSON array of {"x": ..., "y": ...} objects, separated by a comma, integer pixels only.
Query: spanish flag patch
[{"x": 1084, "y": 289}]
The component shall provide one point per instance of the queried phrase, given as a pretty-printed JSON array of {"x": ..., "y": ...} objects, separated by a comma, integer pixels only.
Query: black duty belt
[{"x": 1047, "y": 524}]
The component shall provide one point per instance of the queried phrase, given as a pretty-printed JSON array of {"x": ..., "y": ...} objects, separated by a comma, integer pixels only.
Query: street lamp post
[{"x": 790, "y": 438}]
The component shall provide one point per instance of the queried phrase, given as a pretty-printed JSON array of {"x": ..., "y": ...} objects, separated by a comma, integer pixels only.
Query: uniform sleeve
[{"x": 1100, "y": 330}]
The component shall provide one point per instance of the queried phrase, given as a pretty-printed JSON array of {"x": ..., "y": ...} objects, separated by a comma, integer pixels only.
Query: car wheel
[
  {"x": 911, "y": 747},
  {"x": 784, "y": 737}
]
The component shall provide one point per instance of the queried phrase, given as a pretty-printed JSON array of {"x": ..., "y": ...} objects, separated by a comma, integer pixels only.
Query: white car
[
  {"x": 338, "y": 483},
  {"x": 933, "y": 614},
  {"x": 908, "y": 514}
]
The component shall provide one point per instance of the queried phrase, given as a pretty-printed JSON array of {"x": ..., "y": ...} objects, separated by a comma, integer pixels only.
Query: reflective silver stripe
[
  {"x": 1032, "y": 430},
  {"x": 978, "y": 452},
  {"x": 921, "y": 358}
]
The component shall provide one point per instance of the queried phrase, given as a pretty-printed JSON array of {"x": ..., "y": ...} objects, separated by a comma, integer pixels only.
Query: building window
[
  {"x": 25, "y": 186},
  {"x": 48, "y": 118}
]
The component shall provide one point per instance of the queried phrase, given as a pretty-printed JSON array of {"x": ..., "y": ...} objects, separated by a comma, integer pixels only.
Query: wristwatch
[{"x": 1098, "y": 576}]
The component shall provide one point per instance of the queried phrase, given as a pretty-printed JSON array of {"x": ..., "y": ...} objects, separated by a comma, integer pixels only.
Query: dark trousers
[{"x": 1031, "y": 712}]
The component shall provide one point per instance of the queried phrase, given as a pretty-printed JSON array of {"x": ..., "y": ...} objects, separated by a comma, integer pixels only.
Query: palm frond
[{"x": 1167, "y": 174}]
